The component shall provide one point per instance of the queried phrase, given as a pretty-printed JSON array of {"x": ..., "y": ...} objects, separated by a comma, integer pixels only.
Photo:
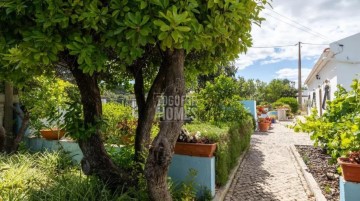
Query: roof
[
  {"x": 320, "y": 64},
  {"x": 351, "y": 42}
]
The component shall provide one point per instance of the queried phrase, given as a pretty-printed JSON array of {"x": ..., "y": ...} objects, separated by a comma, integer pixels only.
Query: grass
[{"x": 48, "y": 176}]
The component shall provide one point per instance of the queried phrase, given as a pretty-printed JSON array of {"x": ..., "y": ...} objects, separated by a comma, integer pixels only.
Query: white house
[{"x": 338, "y": 65}]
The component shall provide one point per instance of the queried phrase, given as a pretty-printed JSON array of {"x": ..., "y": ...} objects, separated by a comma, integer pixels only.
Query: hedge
[
  {"x": 229, "y": 150},
  {"x": 231, "y": 143}
]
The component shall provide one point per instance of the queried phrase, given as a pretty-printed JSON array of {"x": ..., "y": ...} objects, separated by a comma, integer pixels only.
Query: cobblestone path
[{"x": 269, "y": 171}]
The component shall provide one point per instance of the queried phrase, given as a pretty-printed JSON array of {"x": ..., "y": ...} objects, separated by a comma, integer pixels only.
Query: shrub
[
  {"x": 292, "y": 102},
  {"x": 337, "y": 131},
  {"x": 231, "y": 143},
  {"x": 45, "y": 99},
  {"x": 218, "y": 103},
  {"x": 120, "y": 123},
  {"x": 230, "y": 149}
]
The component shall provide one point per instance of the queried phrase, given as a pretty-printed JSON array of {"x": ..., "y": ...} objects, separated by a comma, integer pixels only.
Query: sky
[{"x": 315, "y": 23}]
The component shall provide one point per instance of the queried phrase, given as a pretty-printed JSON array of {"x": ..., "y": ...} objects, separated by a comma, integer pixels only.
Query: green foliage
[
  {"x": 92, "y": 30},
  {"x": 208, "y": 131},
  {"x": 292, "y": 102},
  {"x": 337, "y": 130},
  {"x": 120, "y": 122},
  {"x": 52, "y": 176},
  {"x": 45, "y": 99},
  {"x": 186, "y": 190},
  {"x": 122, "y": 156},
  {"x": 278, "y": 88},
  {"x": 219, "y": 102},
  {"x": 231, "y": 143},
  {"x": 230, "y": 148}
]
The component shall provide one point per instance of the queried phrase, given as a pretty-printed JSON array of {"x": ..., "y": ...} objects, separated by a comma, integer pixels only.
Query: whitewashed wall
[{"x": 341, "y": 68}]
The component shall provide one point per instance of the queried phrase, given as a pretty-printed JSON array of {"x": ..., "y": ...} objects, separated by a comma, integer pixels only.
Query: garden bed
[{"x": 322, "y": 169}]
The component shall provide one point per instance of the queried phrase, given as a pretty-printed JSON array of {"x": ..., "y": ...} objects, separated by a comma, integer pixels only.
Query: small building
[{"x": 338, "y": 65}]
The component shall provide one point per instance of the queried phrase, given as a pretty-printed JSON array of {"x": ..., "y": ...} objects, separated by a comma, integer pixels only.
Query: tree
[
  {"x": 247, "y": 88},
  {"x": 278, "y": 88},
  {"x": 260, "y": 90},
  {"x": 228, "y": 70},
  {"x": 94, "y": 39}
]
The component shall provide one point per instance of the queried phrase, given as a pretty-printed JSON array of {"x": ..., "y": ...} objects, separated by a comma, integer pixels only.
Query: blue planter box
[
  {"x": 204, "y": 166},
  {"x": 349, "y": 191}
]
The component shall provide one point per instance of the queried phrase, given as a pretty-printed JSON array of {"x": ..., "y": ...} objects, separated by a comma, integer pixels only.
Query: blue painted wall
[
  {"x": 349, "y": 191},
  {"x": 36, "y": 144},
  {"x": 250, "y": 105},
  {"x": 205, "y": 167}
]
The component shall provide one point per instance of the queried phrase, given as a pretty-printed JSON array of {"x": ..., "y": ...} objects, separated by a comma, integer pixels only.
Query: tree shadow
[{"x": 250, "y": 179}]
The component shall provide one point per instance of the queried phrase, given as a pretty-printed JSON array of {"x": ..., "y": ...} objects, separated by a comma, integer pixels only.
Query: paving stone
[{"x": 268, "y": 171}]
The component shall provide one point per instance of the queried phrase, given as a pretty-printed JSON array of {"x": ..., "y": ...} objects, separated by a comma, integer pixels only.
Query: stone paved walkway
[{"x": 269, "y": 171}]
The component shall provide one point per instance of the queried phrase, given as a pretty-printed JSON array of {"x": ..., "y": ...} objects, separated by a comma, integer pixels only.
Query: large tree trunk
[
  {"x": 146, "y": 105},
  {"x": 147, "y": 114},
  {"x": 96, "y": 161},
  {"x": 162, "y": 147}
]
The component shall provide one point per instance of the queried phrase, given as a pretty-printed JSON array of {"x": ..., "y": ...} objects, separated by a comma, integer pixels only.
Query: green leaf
[
  {"x": 143, "y": 5},
  {"x": 145, "y": 31},
  {"x": 145, "y": 20},
  {"x": 159, "y": 23},
  {"x": 46, "y": 60},
  {"x": 176, "y": 35},
  {"x": 130, "y": 34},
  {"x": 183, "y": 28},
  {"x": 163, "y": 35}
]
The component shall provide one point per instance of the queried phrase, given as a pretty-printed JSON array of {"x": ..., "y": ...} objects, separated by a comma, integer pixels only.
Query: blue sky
[
  {"x": 315, "y": 23},
  {"x": 267, "y": 72}
]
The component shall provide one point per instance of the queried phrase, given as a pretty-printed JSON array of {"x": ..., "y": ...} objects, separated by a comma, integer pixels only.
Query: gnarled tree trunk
[
  {"x": 96, "y": 161},
  {"x": 147, "y": 114},
  {"x": 162, "y": 147}
]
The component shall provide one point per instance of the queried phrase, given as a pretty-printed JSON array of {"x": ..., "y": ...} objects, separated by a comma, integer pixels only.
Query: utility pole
[{"x": 299, "y": 77}]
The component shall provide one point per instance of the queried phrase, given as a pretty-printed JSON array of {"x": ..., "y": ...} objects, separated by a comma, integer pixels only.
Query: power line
[
  {"x": 279, "y": 46},
  {"x": 302, "y": 29},
  {"x": 313, "y": 44},
  {"x": 276, "y": 46},
  {"x": 294, "y": 21}
]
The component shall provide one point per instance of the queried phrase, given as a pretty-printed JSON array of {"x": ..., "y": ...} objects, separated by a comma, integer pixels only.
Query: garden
[
  {"x": 53, "y": 173},
  {"x": 336, "y": 141},
  {"x": 59, "y": 57}
]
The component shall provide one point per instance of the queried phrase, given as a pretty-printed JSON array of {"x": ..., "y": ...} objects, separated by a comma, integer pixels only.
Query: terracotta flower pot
[
  {"x": 350, "y": 171},
  {"x": 52, "y": 134},
  {"x": 195, "y": 149},
  {"x": 263, "y": 126}
]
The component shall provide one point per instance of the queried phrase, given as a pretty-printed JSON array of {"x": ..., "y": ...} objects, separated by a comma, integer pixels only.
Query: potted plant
[
  {"x": 48, "y": 125},
  {"x": 263, "y": 124},
  {"x": 46, "y": 102},
  {"x": 193, "y": 144},
  {"x": 350, "y": 166},
  {"x": 52, "y": 134}
]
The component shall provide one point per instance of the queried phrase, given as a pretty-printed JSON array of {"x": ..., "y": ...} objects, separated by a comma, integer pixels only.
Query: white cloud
[
  {"x": 328, "y": 21},
  {"x": 292, "y": 74}
]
